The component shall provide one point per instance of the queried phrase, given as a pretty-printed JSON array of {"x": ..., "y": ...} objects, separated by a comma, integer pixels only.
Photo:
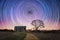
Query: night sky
[{"x": 23, "y": 12}]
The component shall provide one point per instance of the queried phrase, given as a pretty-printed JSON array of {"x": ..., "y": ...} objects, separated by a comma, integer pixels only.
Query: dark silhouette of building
[{"x": 20, "y": 28}]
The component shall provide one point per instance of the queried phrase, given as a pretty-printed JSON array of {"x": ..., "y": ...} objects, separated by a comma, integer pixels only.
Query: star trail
[{"x": 23, "y": 12}]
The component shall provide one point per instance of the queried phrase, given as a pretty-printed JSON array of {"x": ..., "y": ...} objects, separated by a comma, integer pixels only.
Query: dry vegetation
[
  {"x": 12, "y": 35},
  {"x": 30, "y": 35},
  {"x": 47, "y": 35}
]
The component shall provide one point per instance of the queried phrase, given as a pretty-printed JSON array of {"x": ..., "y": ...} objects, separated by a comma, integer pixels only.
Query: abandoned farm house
[{"x": 20, "y": 29}]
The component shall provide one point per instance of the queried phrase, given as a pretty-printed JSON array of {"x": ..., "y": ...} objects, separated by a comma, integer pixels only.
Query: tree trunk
[{"x": 36, "y": 28}]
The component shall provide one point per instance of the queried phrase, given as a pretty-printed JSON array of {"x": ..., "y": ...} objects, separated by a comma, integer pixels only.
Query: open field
[
  {"x": 47, "y": 36},
  {"x": 29, "y": 36},
  {"x": 12, "y": 35}
]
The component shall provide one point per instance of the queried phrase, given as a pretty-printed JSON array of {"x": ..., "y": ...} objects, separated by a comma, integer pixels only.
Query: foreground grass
[
  {"x": 47, "y": 36},
  {"x": 14, "y": 36},
  {"x": 29, "y": 36}
]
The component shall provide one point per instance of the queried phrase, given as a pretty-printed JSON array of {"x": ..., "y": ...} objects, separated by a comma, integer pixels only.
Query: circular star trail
[{"x": 23, "y": 12}]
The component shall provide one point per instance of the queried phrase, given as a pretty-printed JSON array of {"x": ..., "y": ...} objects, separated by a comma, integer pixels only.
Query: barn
[{"x": 20, "y": 29}]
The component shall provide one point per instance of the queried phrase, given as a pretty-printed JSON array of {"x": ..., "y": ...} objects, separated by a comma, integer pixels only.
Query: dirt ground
[{"x": 30, "y": 36}]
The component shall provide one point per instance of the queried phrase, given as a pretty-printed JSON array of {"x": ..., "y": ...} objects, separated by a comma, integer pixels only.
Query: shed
[{"x": 20, "y": 28}]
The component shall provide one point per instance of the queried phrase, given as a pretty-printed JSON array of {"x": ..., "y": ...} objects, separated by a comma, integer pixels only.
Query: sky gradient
[{"x": 23, "y": 12}]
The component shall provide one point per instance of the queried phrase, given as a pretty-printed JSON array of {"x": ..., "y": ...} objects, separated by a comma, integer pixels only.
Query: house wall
[{"x": 20, "y": 28}]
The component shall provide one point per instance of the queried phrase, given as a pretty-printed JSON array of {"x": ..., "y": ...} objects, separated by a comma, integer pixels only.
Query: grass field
[
  {"x": 47, "y": 36},
  {"x": 29, "y": 36},
  {"x": 12, "y": 35}
]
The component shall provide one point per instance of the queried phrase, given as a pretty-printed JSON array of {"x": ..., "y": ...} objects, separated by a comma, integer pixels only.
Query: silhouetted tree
[{"x": 37, "y": 23}]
